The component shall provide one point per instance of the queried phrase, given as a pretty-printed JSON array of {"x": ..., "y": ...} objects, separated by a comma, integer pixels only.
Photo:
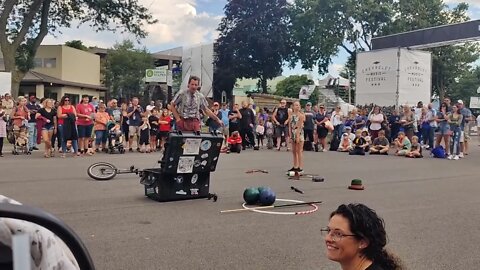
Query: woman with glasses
[
  {"x": 66, "y": 118},
  {"x": 356, "y": 239}
]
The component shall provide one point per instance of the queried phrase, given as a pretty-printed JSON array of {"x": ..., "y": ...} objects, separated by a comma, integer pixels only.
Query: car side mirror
[{"x": 30, "y": 239}]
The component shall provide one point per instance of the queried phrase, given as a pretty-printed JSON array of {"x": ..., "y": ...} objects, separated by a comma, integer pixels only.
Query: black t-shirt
[
  {"x": 48, "y": 115},
  {"x": 247, "y": 117},
  {"x": 320, "y": 117},
  {"x": 282, "y": 115},
  {"x": 233, "y": 123},
  {"x": 33, "y": 108},
  {"x": 309, "y": 124},
  {"x": 151, "y": 119},
  {"x": 357, "y": 142}
]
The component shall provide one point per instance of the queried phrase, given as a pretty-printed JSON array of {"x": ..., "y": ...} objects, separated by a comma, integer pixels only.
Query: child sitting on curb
[
  {"x": 416, "y": 149},
  {"x": 234, "y": 143},
  {"x": 359, "y": 144},
  {"x": 380, "y": 144},
  {"x": 345, "y": 144},
  {"x": 402, "y": 144}
]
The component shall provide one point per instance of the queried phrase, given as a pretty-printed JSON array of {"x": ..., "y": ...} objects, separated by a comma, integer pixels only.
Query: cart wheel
[{"x": 102, "y": 171}]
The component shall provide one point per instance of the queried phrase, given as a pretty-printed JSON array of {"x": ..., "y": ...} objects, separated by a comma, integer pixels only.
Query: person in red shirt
[
  {"x": 234, "y": 142},
  {"x": 164, "y": 127},
  {"x": 86, "y": 115}
]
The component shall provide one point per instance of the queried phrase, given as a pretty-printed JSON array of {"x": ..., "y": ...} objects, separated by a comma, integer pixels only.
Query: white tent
[
  {"x": 198, "y": 61},
  {"x": 5, "y": 83}
]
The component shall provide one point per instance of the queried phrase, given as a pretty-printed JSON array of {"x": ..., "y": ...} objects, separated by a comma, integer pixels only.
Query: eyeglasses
[
  {"x": 66, "y": 99},
  {"x": 336, "y": 235}
]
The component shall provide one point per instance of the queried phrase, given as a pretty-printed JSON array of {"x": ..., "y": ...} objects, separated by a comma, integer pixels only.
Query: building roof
[
  {"x": 274, "y": 97},
  {"x": 174, "y": 54},
  {"x": 37, "y": 77}
]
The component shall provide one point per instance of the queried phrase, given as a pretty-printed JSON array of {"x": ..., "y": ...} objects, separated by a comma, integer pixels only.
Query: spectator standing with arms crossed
[
  {"x": 186, "y": 106},
  {"x": 281, "y": 117}
]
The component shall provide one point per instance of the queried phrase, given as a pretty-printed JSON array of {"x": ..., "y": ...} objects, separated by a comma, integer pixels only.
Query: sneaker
[
  {"x": 256, "y": 148},
  {"x": 130, "y": 150},
  {"x": 456, "y": 157},
  {"x": 35, "y": 148},
  {"x": 461, "y": 155},
  {"x": 293, "y": 169},
  {"x": 450, "y": 157}
]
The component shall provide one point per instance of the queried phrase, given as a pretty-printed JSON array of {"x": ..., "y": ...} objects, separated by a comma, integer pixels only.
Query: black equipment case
[{"x": 185, "y": 168}]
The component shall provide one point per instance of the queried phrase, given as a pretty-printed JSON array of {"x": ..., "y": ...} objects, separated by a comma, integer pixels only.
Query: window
[
  {"x": 2, "y": 64},
  {"x": 50, "y": 62},
  {"x": 38, "y": 62}
]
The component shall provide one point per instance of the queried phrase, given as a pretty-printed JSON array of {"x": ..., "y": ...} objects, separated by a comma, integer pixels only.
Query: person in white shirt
[{"x": 337, "y": 122}]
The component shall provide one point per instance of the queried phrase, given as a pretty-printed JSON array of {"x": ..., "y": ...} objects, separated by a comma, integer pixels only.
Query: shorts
[
  {"x": 48, "y": 127},
  {"x": 443, "y": 130},
  {"x": 464, "y": 136},
  {"x": 188, "y": 124},
  {"x": 84, "y": 131},
  {"x": 153, "y": 132},
  {"x": 133, "y": 130},
  {"x": 162, "y": 134},
  {"x": 402, "y": 152},
  {"x": 322, "y": 132},
  {"x": 281, "y": 131}
]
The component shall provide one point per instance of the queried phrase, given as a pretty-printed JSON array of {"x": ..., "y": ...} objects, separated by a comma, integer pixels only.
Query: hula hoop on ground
[{"x": 314, "y": 206}]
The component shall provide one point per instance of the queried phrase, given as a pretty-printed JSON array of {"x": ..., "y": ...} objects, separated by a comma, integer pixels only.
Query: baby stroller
[
  {"x": 115, "y": 138},
  {"x": 18, "y": 137}
]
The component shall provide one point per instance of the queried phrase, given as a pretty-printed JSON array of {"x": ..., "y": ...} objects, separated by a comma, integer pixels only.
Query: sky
[{"x": 191, "y": 22}]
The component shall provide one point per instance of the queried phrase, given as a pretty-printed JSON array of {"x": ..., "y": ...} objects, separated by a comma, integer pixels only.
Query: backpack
[{"x": 439, "y": 152}]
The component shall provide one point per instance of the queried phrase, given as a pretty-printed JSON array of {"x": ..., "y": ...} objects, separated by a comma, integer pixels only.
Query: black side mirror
[{"x": 54, "y": 225}]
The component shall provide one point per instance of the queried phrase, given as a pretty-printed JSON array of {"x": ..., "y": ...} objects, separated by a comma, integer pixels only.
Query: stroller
[
  {"x": 115, "y": 138},
  {"x": 18, "y": 137}
]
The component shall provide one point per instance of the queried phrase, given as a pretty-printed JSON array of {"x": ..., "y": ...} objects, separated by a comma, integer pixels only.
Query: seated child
[
  {"x": 359, "y": 144},
  {"x": 415, "y": 150},
  {"x": 380, "y": 144},
  {"x": 234, "y": 143},
  {"x": 368, "y": 139},
  {"x": 402, "y": 144},
  {"x": 345, "y": 144},
  {"x": 348, "y": 131}
]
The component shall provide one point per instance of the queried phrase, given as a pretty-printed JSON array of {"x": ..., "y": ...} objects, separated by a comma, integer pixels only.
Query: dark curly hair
[{"x": 367, "y": 225}]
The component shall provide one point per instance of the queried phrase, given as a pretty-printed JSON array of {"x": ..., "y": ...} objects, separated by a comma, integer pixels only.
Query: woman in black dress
[{"x": 48, "y": 115}]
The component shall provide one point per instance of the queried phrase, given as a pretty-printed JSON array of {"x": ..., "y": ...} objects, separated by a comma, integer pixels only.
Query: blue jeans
[
  {"x": 337, "y": 131},
  {"x": 100, "y": 137},
  {"x": 32, "y": 135},
  {"x": 64, "y": 142},
  {"x": 428, "y": 135},
  {"x": 455, "y": 147}
]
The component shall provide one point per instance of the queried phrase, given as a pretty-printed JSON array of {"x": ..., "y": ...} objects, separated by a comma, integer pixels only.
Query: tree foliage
[
  {"x": 465, "y": 86},
  {"x": 125, "y": 70},
  {"x": 253, "y": 40},
  {"x": 77, "y": 44},
  {"x": 25, "y": 23},
  {"x": 320, "y": 28},
  {"x": 290, "y": 87}
]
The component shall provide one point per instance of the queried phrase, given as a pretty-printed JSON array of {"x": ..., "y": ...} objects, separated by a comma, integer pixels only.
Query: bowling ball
[
  {"x": 251, "y": 195},
  {"x": 262, "y": 188},
  {"x": 267, "y": 197}
]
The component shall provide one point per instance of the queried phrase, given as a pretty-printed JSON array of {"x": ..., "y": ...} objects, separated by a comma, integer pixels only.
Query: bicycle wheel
[{"x": 102, "y": 171}]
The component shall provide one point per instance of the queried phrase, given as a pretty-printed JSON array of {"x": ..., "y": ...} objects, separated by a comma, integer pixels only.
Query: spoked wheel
[{"x": 102, "y": 171}]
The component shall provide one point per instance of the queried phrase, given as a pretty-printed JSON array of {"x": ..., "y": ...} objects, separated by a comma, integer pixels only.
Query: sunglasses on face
[{"x": 67, "y": 99}]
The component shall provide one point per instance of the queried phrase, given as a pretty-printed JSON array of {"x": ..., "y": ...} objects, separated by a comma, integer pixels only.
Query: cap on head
[
  {"x": 460, "y": 101},
  {"x": 309, "y": 104}
]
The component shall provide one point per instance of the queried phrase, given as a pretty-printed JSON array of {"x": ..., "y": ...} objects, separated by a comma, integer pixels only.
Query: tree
[
  {"x": 125, "y": 70},
  {"x": 320, "y": 28},
  {"x": 253, "y": 39},
  {"x": 77, "y": 44},
  {"x": 465, "y": 86},
  {"x": 290, "y": 87},
  {"x": 24, "y": 24}
]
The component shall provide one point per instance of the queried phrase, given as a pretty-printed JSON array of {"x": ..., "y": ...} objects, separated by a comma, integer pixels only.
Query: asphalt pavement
[{"x": 430, "y": 208}]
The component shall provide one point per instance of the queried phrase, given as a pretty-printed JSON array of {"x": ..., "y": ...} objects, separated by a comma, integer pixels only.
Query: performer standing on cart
[{"x": 186, "y": 106}]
